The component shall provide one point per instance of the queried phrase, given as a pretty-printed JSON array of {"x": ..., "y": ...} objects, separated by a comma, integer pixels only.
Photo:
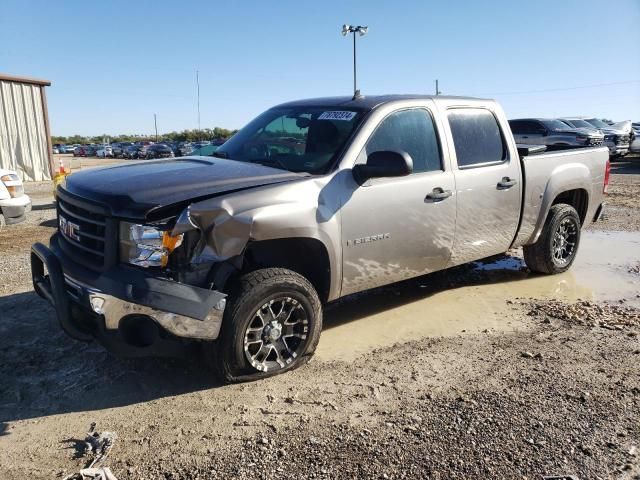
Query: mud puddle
[{"x": 473, "y": 298}]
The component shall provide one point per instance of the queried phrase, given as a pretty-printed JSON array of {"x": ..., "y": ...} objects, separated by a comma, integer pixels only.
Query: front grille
[
  {"x": 596, "y": 142},
  {"x": 92, "y": 229}
]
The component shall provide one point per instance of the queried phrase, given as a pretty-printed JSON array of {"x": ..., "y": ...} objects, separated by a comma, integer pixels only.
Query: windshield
[
  {"x": 581, "y": 124},
  {"x": 555, "y": 125},
  {"x": 298, "y": 139},
  {"x": 597, "y": 123}
]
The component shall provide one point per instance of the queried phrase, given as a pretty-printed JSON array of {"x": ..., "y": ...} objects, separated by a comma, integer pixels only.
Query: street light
[{"x": 362, "y": 31}]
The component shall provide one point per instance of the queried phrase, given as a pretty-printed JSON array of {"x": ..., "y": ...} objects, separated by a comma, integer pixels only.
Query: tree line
[{"x": 183, "y": 136}]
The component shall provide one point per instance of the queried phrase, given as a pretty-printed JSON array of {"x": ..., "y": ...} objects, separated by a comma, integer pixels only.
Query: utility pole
[
  {"x": 198, "y": 93},
  {"x": 438, "y": 92},
  {"x": 155, "y": 122}
]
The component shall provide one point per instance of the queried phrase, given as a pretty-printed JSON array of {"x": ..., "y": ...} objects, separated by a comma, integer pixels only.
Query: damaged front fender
[{"x": 304, "y": 209}]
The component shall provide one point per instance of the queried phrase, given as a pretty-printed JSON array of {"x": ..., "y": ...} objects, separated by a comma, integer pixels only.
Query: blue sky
[{"x": 115, "y": 63}]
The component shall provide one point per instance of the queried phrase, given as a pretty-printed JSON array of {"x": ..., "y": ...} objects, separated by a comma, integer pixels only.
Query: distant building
[{"x": 25, "y": 136}]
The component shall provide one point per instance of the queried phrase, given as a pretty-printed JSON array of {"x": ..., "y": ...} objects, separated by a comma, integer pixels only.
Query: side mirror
[{"x": 384, "y": 163}]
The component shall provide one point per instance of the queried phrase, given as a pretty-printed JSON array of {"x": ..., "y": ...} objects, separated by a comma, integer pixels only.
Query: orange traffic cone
[{"x": 61, "y": 170}]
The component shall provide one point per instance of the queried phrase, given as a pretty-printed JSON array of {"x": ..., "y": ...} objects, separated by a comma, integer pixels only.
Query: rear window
[{"x": 476, "y": 136}]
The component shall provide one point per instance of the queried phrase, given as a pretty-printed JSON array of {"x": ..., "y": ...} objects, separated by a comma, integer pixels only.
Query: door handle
[
  {"x": 505, "y": 183},
  {"x": 438, "y": 194}
]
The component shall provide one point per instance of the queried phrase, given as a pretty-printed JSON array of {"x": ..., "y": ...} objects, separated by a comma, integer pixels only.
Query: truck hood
[
  {"x": 137, "y": 190},
  {"x": 578, "y": 132}
]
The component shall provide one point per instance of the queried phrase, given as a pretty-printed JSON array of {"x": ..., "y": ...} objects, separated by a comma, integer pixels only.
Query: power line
[{"x": 562, "y": 89}]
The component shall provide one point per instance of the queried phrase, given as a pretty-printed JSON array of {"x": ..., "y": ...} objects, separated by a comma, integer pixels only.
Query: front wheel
[
  {"x": 557, "y": 246},
  {"x": 271, "y": 325}
]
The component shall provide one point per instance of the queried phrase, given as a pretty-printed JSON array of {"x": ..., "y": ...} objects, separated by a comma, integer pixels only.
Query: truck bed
[{"x": 547, "y": 174}]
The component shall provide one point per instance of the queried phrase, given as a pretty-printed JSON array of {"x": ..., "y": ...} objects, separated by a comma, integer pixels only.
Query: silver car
[
  {"x": 615, "y": 139},
  {"x": 553, "y": 133},
  {"x": 634, "y": 146}
]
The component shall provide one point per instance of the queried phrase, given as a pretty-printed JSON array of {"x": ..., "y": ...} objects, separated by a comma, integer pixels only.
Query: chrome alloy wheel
[
  {"x": 564, "y": 241},
  {"x": 276, "y": 335}
]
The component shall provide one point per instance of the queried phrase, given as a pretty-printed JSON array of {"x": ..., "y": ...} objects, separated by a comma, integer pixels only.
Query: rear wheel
[
  {"x": 272, "y": 324},
  {"x": 557, "y": 246}
]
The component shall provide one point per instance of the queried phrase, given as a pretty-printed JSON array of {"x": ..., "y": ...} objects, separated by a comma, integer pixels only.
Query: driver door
[{"x": 403, "y": 227}]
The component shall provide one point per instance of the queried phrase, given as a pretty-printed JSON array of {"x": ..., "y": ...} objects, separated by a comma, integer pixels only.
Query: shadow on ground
[{"x": 43, "y": 372}]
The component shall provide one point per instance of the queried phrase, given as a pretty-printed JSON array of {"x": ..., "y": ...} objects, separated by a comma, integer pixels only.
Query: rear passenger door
[
  {"x": 488, "y": 184},
  {"x": 398, "y": 228}
]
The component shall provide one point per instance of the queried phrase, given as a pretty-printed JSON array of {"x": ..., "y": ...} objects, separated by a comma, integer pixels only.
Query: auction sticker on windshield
[{"x": 338, "y": 115}]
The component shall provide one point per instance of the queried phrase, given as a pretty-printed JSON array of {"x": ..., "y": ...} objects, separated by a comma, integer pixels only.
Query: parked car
[
  {"x": 185, "y": 149},
  {"x": 90, "y": 150},
  {"x": 634, "y": 146},
  {"x": 575, "y": 122},
  {"x": 104, "y": 151},
  {"x": 55, "y": 150},
  {"x": 80, "y": 151},
  {"x": 239, "y": 252},
  {"x": 158, "y": 150},
  {"x": 131, "y": 151},
  {"x": 120, "y": 147},
  {"x": 70, "y": 148},
  {"x": 188, "y": 148},
  {"x": 553, "y": 133},
  {"x": 205, "y": 150},
  {"x": 14, "y": 203},
  {"x": 616, "y": 140}
]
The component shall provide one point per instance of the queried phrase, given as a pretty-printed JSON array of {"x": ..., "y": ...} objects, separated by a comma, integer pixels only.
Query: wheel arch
[
  {"x": 306, "y": 256},
  {"x": 570, "y": 184},
  {"x": 578, "y": 198}
]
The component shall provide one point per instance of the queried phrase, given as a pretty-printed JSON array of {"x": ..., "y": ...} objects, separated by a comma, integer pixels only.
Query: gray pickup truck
[{"x": 311, "y": 201}]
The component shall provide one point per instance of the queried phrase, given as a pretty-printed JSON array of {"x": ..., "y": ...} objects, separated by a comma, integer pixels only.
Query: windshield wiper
[{"x": 220, "y": 154}]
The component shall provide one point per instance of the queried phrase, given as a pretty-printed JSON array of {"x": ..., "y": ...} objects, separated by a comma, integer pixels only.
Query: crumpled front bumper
[{"x": 90, "y": 305}]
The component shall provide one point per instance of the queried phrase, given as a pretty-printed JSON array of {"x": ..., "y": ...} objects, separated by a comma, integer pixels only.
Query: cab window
[
  {"x": 411, "y": 131},
  {"x": 477, "y": 137}
]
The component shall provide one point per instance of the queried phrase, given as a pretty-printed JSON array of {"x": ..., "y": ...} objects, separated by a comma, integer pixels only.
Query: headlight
[
  {"x": 13, "y": 184},
  {"x": 145, "y": 245}
]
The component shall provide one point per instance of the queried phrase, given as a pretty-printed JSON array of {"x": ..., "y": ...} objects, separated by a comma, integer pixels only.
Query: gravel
[{"x": 588, "y": 313}]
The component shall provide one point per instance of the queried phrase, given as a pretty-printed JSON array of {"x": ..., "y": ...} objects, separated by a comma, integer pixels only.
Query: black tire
[
  {"x": 249, "y": 294},
  {"x": 547, "y": 254}
]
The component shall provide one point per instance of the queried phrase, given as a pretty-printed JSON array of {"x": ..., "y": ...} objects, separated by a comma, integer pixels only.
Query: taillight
[{"x": 607, "y": 174}]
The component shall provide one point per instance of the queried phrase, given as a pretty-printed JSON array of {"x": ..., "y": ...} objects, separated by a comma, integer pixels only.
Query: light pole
[
  {"x": 198, "y": 91},
  {"x": 362, "y": 31},
  {"x": 155, "y": 122}
]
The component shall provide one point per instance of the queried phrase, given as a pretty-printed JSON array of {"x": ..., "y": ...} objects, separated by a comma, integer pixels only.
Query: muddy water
[{"x": 474, "y": 298}]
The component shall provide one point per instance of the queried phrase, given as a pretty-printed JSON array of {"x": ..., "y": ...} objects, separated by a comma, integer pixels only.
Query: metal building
[{"x": 25, "y": 136}]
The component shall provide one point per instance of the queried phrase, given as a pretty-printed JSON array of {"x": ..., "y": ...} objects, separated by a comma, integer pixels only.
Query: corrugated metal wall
[{"x": 23, "y": 139}]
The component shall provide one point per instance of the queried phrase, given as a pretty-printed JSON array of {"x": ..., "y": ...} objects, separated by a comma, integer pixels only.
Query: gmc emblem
[{"x": 69, "y": 229}]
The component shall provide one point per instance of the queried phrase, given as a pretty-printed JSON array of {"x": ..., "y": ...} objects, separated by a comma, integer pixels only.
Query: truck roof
[{"x": 366, "y": 102}]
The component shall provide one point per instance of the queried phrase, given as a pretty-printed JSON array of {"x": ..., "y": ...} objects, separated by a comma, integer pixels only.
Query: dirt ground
[{"x": 483, "y": 371}]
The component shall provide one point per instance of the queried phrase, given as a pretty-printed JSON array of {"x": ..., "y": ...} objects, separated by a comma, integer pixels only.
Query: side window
[
  {"x": 476, "y": 137},
  {"x": 412, "y": 131}
]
